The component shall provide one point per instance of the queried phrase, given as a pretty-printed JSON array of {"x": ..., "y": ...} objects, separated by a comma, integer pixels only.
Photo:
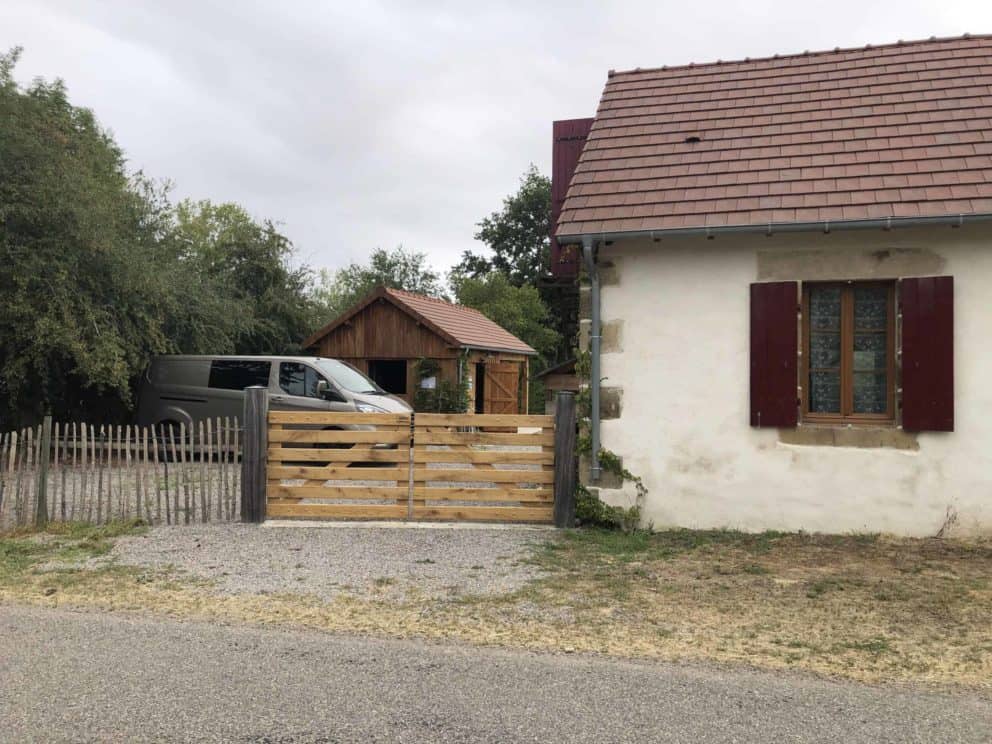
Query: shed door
[{"x": 502, "y": 388}]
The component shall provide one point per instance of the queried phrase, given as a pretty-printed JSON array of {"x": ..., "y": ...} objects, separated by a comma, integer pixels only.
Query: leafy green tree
[
  {"x": 519, "y": 310},
  {"x": 398, "y": 269},
  {"x": 518, "y": 235},
  {"x": 98, "y": 271},
  {"x": 519, "y": 244},
  {"x": 252, "y": 260}
]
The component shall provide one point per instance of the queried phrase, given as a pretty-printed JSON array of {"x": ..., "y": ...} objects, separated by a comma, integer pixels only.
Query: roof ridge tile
[{"x": 696, "y": 66}]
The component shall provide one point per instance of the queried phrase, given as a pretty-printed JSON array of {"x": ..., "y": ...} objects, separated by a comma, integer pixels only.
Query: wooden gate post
[
  {"x": 254, "y": 454},
  {"x": 565, "y": 459},
  {"x": 44, "y": 453}
]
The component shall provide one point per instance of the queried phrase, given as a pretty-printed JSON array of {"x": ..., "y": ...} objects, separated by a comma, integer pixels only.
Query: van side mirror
[{"x": 325, "y": 391}]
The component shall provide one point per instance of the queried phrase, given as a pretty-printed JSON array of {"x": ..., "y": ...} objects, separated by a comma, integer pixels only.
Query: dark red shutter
[
  {"x": 927, "y": 305},
  {"x": 774, "y": 352},
  {"x": 569, "y": 137}
]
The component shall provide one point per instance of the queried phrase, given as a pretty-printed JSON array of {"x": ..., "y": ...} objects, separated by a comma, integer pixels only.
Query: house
[
  {"x": 389, "y": 332},
  {"x": 787, "y": 302}
]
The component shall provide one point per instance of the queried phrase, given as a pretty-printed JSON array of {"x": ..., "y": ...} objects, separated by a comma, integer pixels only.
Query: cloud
[{"x": 365, "y": 124}]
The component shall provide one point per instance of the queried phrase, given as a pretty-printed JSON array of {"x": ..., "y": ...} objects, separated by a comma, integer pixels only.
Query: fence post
[
  {"x": 254, "y": 454},
  {"x": 565, "y": 459},
  {"x": 44, "y": 454}
]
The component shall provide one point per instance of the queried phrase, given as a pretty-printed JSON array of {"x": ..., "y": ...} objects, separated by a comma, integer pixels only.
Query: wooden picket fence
[{"x": 101, "y": 473}]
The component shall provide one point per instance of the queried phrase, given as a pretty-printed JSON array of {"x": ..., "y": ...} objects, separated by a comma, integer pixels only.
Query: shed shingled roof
[
  {"x": 900, "y": 130},
  {"x": 460, "y": 325}
]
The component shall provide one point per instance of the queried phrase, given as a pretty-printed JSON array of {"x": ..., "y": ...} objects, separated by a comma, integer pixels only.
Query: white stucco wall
[{"x": 683, "y": 367}]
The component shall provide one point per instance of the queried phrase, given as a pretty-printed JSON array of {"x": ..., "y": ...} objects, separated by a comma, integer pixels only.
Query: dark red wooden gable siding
[
  {"x": 927, "y": 305},
  {"x": 569, "y": 136},
  {"x": 774, "y": 352}
]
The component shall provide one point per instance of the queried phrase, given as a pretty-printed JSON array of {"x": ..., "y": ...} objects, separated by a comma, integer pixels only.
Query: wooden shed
[{"x": 387, "y": 333}]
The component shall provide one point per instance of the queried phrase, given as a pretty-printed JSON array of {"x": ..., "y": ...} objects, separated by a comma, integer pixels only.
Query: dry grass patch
[{"x": 860, "y": 606}]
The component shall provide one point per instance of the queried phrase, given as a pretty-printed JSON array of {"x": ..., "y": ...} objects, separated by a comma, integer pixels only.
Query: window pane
[
  {"x": 824, "y": 309},
  {"x": 824, "y": 392},
  {"x": 870, "y": 392},
  {"x": 824, "y": 350},
  {"x": 292, "y": 378},
  {"x": 870, "y": 351},
  {"x": 237, "y": 374},
  {"x": 871, "y": 308}
]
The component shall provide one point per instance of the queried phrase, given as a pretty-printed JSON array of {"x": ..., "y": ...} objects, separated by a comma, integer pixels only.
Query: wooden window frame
[{"x": 846, "y": 415}]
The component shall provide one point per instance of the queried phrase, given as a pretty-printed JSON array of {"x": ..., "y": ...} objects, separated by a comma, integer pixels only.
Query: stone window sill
[{"x": 842, "y": 435}]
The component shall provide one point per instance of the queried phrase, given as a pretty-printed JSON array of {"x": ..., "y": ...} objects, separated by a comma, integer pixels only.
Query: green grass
[{"x": 67, "y": 543}]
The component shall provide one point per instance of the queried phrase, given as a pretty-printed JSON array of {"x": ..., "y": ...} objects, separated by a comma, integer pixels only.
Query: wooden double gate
[{"x": 473, "y": 467}]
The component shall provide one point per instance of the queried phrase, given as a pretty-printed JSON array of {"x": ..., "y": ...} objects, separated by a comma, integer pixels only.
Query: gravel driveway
[{"x": 388, "y": 563}]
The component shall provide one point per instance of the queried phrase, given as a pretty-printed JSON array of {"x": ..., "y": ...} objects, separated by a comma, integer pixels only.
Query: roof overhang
[{"x": 771, "y": 228}]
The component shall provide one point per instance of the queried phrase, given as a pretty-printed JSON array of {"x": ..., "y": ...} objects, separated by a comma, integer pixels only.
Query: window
[
  {"x": 237, "y": 374},
  {"x": 299, "y": 379},
  {"x": 849, "y": 351},
  {"x": 347, "y": 377}
]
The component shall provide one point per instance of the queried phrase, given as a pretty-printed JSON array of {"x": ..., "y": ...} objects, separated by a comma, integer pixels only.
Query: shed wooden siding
[{"x": 383, "y": 331}]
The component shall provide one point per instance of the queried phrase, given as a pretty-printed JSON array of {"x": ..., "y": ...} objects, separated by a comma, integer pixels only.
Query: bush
[{"x": 591, "y": 511}]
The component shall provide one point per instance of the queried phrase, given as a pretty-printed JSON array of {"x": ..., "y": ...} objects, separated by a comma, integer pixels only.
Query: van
[{"x": 187, "y": 389}]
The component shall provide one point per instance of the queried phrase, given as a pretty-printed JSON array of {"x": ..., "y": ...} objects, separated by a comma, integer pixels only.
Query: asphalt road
[{"x": 81, "y": 677}]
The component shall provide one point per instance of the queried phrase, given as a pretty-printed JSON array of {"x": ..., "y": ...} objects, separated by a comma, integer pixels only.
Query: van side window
[
  {"x": 298, "y": 379},
  {"x": 237, "y": 374}
]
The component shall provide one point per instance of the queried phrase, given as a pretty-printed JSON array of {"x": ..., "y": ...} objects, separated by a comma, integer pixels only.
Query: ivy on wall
[{"x": 589, "y": 508}]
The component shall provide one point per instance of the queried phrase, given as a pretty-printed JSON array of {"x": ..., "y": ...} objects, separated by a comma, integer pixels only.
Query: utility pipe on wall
[{"x": 594, "y": 339}]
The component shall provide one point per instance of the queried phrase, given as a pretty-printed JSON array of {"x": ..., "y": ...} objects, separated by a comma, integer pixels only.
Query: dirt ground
[{"x": 865, "y": 607}]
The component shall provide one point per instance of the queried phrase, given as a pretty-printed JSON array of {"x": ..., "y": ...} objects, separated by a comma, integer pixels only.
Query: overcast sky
[{"x": 363, "y": 124}]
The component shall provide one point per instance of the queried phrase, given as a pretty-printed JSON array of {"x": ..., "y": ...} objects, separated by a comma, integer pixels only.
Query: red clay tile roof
[
  {"x": 459, "y": 325},
  {"x": 467, "y": 326},
  {"x": 902, "y": 130}
]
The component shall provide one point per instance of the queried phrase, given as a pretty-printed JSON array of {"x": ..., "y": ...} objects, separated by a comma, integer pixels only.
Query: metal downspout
[{"x": 594, "y": 339}]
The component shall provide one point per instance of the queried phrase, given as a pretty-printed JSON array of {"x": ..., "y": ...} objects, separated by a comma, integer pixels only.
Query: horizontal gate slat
[
  {"x": 338, "y": 511},
  {"x": 474, "y": 419},
  {"x": 352, "y": 454},
  {"x": 486, "y": 494},
  {"x": 482, "y": 456},
  {"x": 281, "y": 472},
  {"x": 474, "y": 437},
  {"x": 485, "y": 513},
  {"x": 342, "y": 436},
  {"x": 332, "y": 418},
  {"x": 280, "y": 491},
  {"x": 484, "y": 476}
]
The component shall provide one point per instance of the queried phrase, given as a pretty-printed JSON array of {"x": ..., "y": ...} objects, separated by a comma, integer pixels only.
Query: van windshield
[{"x": 348, "y": 378}]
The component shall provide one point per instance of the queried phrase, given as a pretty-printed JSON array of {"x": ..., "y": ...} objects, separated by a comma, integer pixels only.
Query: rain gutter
[
  {"x": 771, "y": 228},
  {"x": 594, "y": 339}
]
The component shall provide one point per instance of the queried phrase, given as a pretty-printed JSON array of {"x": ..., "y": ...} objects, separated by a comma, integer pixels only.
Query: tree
[
  {"x": 251, "y": 259},
  {"x": 398, "y": 269},
  {"x": 98, "y": 271},
  {"x": 518, "y": 235},
  {"x": 518, "y": 238},
  {"x": 519, "y": 310}
]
